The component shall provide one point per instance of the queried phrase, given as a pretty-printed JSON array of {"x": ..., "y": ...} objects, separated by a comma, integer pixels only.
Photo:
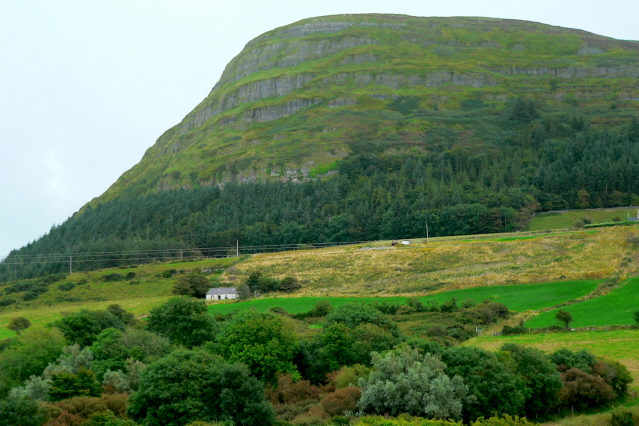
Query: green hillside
[
  {"x": 614, "y": 308},
  {"x": 368, "y": 127},
  {"x": 516, "y": 297},
  {"x": 302, "y": 97},
  {"x": 573, "y": 218}
]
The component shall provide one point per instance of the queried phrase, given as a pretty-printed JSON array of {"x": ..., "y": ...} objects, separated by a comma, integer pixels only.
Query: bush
[
  {"x": 342, "y": 400},
  {"x": 112, "y": 277},
  {"x": 407, "y": 382},
  {"x": 290, "y": 284},
  {"x": 130, "y": 275},
  {"x": 262, "y": 341},
  {"x": 67, "y": 385},
  {"x": 354, "y": 314},
  {"x": 20, "y": 411},
  {"x": 183, "y": 321},
  {"x": 289, "y": 392},
  {"x": 7, "y": 302},
  {"x": 583, "y": 390},
  {"x": 169, "y": 273},
  {"x": 193, "y": 285},
  {"x": 196, "y": 385},
  {"x": 66, "y": 286},
  {"x": 622, "y": 417},
  {"x": 85, "y": 326}
]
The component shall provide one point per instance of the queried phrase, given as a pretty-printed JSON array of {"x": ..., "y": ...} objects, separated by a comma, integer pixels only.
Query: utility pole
[
  {"x": 237, "y": 248},
  {"x": 426, "y": 232}
]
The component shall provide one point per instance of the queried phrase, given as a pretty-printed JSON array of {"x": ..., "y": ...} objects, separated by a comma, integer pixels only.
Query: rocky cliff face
[{"x": 309, "y": 90}]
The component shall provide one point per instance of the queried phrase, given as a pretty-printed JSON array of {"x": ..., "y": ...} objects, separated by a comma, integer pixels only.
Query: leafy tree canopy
[
  {"x": 407, "y": 382},
  {"x": 184, "y": 321},
  {"x": 261, "y": 341},
  {"x": 190, "y": 385}
]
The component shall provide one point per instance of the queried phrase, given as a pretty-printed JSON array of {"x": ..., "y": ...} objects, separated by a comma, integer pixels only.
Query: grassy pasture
[
  {"x": 444, "y": 264},
  {"x": 619, "y": 345},
  {"x": 614, "y": 308},
  {"x": 516, "y": 297},
  {"x": 560, "y": 220},
  {"x": 148, "y": 289},
  {"x": 41, "y": 316}
]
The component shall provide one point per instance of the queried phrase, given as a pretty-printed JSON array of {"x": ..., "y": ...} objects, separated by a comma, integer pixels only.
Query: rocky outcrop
[
  {"x": 267, "y": 56},
  {"x": 270, "y": 113},
  {"x": 402, "y": 81},
  {"x": 251, "y": 92},
  {"x": 572, "y": 72}
]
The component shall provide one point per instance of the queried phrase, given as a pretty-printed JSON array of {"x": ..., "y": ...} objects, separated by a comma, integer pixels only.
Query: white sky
[{"x": 86, "y": 86}]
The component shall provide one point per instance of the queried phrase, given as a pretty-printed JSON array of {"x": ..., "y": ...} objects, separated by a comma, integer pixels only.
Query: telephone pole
[{"x": 426, "y": 232}]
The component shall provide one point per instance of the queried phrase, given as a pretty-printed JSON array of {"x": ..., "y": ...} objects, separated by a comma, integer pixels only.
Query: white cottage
[{"x": 222, "y": 294}]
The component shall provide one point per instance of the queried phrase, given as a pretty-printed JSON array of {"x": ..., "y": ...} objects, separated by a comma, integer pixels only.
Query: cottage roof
[{"x": 222, "y": 290}]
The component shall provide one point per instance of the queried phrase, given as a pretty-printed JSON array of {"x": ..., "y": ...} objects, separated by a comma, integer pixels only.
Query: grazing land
[
  {"x": 151, "y": 286},
  {"x": 445, "y": 264},
  {"x": 618, "y": 345},
  {"x": 568, "y": 219},
  {"x": 614, "y": 308},
  {"x": 516, "y": 297}
]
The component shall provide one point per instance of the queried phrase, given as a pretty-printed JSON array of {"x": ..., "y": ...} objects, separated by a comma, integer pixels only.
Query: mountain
[
  {"x": 361, "y": 127},
  {"x": 300, "y": 98}
]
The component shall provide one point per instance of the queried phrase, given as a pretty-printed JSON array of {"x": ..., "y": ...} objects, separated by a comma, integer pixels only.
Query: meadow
[
  {"x": 150, "y": 287},
  {"x": 515, "y": 297},
  {"x": 568, "y": 219},
  {"x": 617, "y": 307},
  {"x": 618, "y": 345},
  {"x": 379, "y": 270}
]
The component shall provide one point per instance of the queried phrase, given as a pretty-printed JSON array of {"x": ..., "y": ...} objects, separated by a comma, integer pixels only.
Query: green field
[
  {"x": 560, "y": 220},
  {"x": 516, "y": 297},
  {"x": 619, "y": 345},
  {"x": 614, "y": 308},
  {"x": 148, "y": 289}
]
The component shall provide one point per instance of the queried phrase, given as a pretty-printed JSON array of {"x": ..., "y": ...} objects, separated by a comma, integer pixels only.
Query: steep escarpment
[{"x": 330, "y": 70}]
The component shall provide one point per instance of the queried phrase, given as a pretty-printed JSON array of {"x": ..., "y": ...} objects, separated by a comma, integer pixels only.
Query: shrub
[
  {"x": 169, "y": 273},
  {"x": 20, "y": 411},
  {"x": 7, "y": 302},
  {"x": 289, "y": 392},
  {"x": 342, "y": 400},
  {"x": 112, "y": 277},
  {"x": 407, "y": 382},
  {"x": 67, "y": 385},
  {"x": 290, "y": 284},
  {"x": 354, "y": 314},
  {"x": 66, "y": 286},
  {"x": 260, "y": 340},
  {"x": 194, "y": 285},
  {"x": 85, "y": 326},
  {"x": 196, "y": 385},
  {"x": 582, "y": 389},
  {"x": 130, "y": 275},
  {"x": 622, "y": 417},
  {"x": 183, "y": 321}
]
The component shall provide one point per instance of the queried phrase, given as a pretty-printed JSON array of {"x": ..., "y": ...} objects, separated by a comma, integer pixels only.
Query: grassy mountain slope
[{"x": 299, "y": 98}]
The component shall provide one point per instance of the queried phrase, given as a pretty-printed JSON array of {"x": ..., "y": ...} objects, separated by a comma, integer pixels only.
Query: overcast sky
[{"x": 87, "y": 86}]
